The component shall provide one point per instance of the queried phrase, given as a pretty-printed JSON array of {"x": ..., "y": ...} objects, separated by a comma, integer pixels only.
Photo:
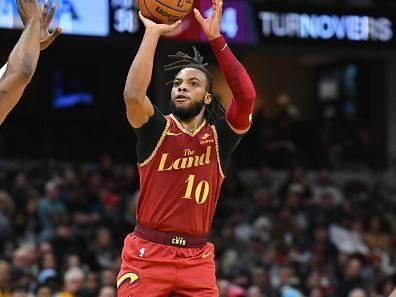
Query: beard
[{"x": 188, "y": 112}]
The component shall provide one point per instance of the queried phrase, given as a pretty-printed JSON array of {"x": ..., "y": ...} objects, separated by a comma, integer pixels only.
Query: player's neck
[{"x": 193, "y": 123}]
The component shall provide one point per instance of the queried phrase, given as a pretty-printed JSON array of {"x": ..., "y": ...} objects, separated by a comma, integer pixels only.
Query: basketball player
[
  {"x": 16, "y": 74},
  {"x": 182, "y": 158}
]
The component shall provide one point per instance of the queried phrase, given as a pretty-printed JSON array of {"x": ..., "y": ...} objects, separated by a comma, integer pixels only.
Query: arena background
[{"x": 308, "y": 208}]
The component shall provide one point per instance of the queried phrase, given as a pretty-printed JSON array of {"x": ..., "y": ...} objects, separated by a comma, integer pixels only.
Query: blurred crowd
[
  {"x": 277, "y": 233},
  {"x": 284, "y": 138}
]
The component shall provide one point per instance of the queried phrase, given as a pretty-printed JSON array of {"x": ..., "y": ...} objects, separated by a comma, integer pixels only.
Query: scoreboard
[
  {"x": 243, "y": 22},
  {"x": 78, "y": 17}
]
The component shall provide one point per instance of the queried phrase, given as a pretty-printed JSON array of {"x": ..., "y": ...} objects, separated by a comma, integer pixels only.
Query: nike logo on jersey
[
  {"x": 173, "y": 134},
  {"x": 205, "y": 255}
]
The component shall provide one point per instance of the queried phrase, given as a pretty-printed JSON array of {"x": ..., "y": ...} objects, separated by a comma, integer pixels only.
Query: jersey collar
[{"x": 186, "y": 131}]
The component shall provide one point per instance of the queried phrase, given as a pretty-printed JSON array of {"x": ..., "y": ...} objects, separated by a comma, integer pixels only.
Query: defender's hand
[
  {"x": 211, "y": 25},
  {"x": 28, "y": 10},
  {"x": 46, "y": 38},
  {"x": 158, "y": 28}
]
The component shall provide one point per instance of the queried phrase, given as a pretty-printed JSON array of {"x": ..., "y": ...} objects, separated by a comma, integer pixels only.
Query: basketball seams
[
  {"x": 148, "y": 10},
  {"x": 161, "y": 11},
  {"x": 171, "y": 7}
]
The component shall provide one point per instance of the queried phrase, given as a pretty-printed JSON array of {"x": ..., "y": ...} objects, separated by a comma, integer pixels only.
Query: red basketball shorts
[{"x": 155, "y": 270}]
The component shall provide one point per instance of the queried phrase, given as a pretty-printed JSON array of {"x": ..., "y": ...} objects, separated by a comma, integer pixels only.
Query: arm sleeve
[
  {"x": 228, "y": 141},
  {"x": 239, "y": 112},
  {"x": 149, "y": 134}
]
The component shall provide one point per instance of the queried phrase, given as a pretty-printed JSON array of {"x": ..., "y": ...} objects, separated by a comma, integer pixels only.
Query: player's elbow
[
  {"x": 23, "y": 73},
  {"x": 128, "y": 96},
  {"x": 24, "y": 76},
  {"x": 252, "y": 94},
  {"x": 25, "y": 70}
]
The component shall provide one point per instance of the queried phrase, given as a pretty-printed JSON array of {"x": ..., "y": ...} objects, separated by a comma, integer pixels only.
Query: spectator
[
  {"x": 358, "y": 292},
  {"x": 19, "y": 291},
  {"x": 107, "y": 291},
  {"x": 6, "y": 212},
  {"x": 73, "y": 282},
  {"x": 43, "y": 291},
  {"x": 51, "y": 210},
  {"x": 5, "y": 279},
  {"x": 352, "y": 277}
]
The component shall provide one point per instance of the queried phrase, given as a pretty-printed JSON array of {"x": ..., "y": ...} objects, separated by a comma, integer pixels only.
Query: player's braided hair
[{"x": 215, "y": 110}]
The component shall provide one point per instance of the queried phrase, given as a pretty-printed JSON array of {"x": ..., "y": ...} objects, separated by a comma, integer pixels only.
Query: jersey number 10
[{"x": 201, "y": 189}]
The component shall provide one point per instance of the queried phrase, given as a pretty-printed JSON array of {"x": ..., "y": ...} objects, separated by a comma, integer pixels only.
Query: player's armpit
[{"x": 138, "y": 111}]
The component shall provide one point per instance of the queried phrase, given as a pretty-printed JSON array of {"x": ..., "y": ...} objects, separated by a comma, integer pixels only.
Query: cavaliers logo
[{"x": 131, "y": 277}]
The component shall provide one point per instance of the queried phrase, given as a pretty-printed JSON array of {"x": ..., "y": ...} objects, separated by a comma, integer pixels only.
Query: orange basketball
[{"x": 165, "y": 11}]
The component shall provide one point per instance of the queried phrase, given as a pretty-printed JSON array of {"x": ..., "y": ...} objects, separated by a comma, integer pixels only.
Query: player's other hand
[
  {"x": 211, "y": 25},
  {"x": 158, "y": 28},
  {"x": 46, "y": 15},
  {"x": 28, "y": 10},
  {"x": 46, "y": 38}
]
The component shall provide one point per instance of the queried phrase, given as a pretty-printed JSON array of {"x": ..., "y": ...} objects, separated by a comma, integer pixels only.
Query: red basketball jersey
[{"x": 180, "y": 182}]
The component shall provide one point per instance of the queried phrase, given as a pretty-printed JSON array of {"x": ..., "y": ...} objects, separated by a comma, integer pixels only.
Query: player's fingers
[
  {"x": 19, "y": 4},
  {"x": 219, "y": 11},
  {"x": 198, "y": 16},
  {"x": 45, "y": 10},
  {"x": 52, "y": 37},
  {"x": 56, "y": 33},
  {"x": 21, "y": 11},
  {"x": 175, "y": 25},
  {"x": 142, "y": 17},
  {"x": 50, "y": 15}
]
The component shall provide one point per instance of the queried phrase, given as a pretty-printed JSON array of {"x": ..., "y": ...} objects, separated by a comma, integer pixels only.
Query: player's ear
[{"x": 208, "y": 98}]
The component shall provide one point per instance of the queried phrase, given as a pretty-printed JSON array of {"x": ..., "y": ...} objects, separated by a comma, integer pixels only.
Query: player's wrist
[
  {"x": 214, "y": 36},
  {"x": 153, "y": 31},
  {"x": 218, "y": 43},
  {"x": 34, "y": 20}
]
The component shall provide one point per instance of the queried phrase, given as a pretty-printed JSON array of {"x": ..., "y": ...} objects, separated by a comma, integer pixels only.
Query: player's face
[{"x": 189, "y": 93}]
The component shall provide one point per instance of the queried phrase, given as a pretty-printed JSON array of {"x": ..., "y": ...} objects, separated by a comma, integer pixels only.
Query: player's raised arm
[
  {"x": 22, "y": 62},
  {"x": 23, "y": 59},
  {"x": 239, "y": 112},
  {"x": 139, "y": 107}
]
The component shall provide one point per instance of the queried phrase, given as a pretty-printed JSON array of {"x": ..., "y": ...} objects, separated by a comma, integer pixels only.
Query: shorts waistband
[{"x": 177, "y": 240}]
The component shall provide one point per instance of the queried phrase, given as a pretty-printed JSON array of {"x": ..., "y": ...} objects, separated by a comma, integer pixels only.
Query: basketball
[{"x": 165, "y": 11}]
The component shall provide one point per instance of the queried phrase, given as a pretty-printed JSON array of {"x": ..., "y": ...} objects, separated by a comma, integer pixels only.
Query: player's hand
[
  {"x": 158, "y": 28},
  {"x": 46, "y": 38},
  {"x": 211, "y": 25},
  {"x": 29, "y": 10}
]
